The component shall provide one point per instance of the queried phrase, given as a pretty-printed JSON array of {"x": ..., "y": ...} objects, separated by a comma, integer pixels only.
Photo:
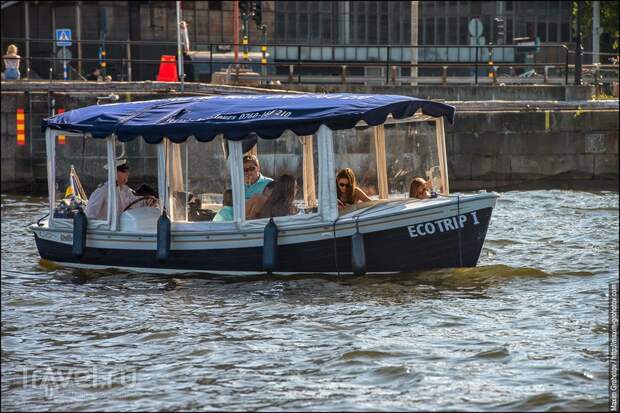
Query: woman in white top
[{"x": 11, "y": 63}]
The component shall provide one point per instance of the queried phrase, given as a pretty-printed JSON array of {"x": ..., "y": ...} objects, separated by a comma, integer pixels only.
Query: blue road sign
[{"x": 63, "y": 37}]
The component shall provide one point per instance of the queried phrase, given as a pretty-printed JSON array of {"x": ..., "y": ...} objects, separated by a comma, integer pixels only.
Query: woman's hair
[
  {"x": 12, "y": 49},
  {"x": 416, "y": 184},
  {"x": 227, "y": 201},
  {"x": 269, "y": 186},
  {"x": 281, "y": 199},
  {"x": 348, "y": 195}
]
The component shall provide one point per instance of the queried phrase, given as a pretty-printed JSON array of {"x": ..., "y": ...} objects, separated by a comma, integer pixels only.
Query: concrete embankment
[{"x": 526, "y": 138}]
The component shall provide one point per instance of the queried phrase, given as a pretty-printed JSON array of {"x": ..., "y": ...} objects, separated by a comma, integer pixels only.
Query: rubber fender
[
  {"x": 80, "y": 224},
  {"x": 358, "y": 253},
  {"x": 270, "y": 247},
  {"x": 163, "y": 237}
]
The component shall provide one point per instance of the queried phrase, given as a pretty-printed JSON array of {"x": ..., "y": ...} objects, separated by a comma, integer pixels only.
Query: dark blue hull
[{"x": 404, "y": 249}]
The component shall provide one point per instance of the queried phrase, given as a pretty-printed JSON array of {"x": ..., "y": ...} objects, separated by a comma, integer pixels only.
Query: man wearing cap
[
  {"x": 255, "y": 182},
  {"x": 98, "y": 202}
]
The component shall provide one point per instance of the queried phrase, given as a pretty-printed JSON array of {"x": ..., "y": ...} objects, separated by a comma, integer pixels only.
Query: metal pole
[
  {"x": 299, "y": 64},
  {"x": 596, "y": 28},
  {"x": 579, "y": 47},
  {"x": 387, "y": 66},
  {"x": 129, "y": 74},
  {"x": 78, "y": 34},
  {"x": 236, "y": 31},
  {"x": 476, "y": 67},
  {"x": 179, "y": 48},
  {"x": 414, "y": 42},
  {"x": 27, "y": 32},
  {"x": 566, "y": 66}
]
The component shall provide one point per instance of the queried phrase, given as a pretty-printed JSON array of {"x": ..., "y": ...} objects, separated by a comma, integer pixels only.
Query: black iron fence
[{"x": 295, "y": 63}]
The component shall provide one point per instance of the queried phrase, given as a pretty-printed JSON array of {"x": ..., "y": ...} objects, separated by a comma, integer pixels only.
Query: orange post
[
  {"x": 21, "y": 127},
  {"x": 61, "y": 138},
  {"x": 168, "y": 69}
]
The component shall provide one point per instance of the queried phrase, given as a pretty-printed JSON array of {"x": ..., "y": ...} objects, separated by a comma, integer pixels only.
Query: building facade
[{"x": 319, "y": 31}]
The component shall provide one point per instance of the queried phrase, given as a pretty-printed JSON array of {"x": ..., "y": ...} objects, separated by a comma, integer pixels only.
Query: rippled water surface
[{"x": 525, "y": 330}]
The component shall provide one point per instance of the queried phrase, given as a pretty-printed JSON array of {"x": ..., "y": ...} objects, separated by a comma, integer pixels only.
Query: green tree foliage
[{"x": 609, "y": 19}]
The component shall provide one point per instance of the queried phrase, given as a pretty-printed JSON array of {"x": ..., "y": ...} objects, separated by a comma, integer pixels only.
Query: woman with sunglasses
[{"x": 348, "y": 191}]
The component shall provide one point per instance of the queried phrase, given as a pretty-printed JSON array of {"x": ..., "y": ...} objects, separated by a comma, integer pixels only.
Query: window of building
[
  {"x": 215, "y": 5},
  {"x": 541, "y": 31},
  {"x": 429, "y": 31},
  {"x": 553, "y": 32},
  {"x": 452, "y": 30},
  {"x": 566, "y": 37},
  {"x": 441, "y": 30},
  {"x": 463, "y": 30}
]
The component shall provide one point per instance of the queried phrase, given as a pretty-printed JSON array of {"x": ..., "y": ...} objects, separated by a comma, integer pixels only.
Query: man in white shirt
[{"x": 98, "y": 202}]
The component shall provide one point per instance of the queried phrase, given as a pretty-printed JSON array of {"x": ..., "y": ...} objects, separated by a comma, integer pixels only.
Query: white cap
[{"x": 118, "y": 163}]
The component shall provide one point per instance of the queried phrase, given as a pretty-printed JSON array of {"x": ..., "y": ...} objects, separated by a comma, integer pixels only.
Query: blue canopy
[{"x": 239, "y": 116}]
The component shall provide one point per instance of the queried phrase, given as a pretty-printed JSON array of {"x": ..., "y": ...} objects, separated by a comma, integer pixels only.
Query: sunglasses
[
  {"x": 343, "y": 185},
  {"x": 250, "y": 169}
]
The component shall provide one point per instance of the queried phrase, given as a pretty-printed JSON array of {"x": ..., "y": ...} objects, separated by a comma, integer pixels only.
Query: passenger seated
[
  {"x": 419, "y": 188},
  {"x": 226, "y": 213},
  {"x": 256, "y": 203},
  {"x": 280, "y": 202},
  {"x": 254, "y": 181},
  {"x": 348, "y": 191}
]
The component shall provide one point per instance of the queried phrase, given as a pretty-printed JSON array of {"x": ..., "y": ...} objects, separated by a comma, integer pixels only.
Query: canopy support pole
[
  {"x": 381, "y": 161},
  {"x": 327, "y": 170},
  {"x": 162, "y": 188},
  {"x": 441, "y": 149},
  {"x": 308, "y": 167},
  {"x": 112, "y": 189},
  {"x": 50, "y": 140},
  {"x": 235, "y": 163}
]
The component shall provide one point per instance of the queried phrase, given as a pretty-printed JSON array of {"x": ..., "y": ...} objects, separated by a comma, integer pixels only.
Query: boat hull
[{"x": 451, "y": 240}]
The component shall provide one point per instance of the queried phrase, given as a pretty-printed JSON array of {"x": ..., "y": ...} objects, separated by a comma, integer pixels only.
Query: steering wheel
[{"x": 135, "y": 201}]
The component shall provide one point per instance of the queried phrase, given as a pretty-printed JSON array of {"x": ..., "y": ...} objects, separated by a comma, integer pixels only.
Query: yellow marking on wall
[{"x": 547, "y": 120}]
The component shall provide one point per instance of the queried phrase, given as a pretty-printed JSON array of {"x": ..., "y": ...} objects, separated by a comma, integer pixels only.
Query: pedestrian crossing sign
[{"x": 63, "y": 37}]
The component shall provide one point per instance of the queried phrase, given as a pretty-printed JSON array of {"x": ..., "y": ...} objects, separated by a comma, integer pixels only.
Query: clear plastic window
[
  {"x": 198, "y": 179},
  {"x": 292, "y": 163}
]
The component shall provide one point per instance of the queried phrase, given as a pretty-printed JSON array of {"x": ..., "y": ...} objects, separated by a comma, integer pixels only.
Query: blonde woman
[{"x": 11, "y": 63}]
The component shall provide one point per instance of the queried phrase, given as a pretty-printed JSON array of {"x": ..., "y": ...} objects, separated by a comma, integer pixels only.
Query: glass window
[
  {"x": 280, "y": 27},
  {"x": 509, "y": 6},
  {"x": 553, "y": 32},
  {"x": 441, "y": 30},
  {"x": 452, "y": 30},
  {"x": 326, "y": 28},
  {"x": 566, "y": 37},
  {"x": 429, "y": 31},
  {"x": 541, "y": 31},
  {"x": 291, "y": 27},
  {"x": 315, "y": 29},
  {"x": 463, "y": 30},
  {"x": 372, "y": 28},
  {"x": 383, "y": 29},
  {"x": 509, "y": 31},
  {"x": 302, "y": 31}
]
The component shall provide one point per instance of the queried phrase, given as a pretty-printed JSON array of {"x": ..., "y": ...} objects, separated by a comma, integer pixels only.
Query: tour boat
[{"x": 389, "y": 234}]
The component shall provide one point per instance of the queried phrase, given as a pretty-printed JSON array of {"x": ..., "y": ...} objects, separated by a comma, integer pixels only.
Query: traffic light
[
  {"x": 258, "y": 14},
  {"x": 498, "y": 30},
  {"x": 245, "y": 7}
]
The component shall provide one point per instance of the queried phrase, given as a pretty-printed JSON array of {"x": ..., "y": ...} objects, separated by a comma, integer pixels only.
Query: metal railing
[{"x": 327, "y": 64}]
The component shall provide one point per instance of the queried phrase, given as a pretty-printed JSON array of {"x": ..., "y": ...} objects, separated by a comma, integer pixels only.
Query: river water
[{"x": 525, "y": 330}]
